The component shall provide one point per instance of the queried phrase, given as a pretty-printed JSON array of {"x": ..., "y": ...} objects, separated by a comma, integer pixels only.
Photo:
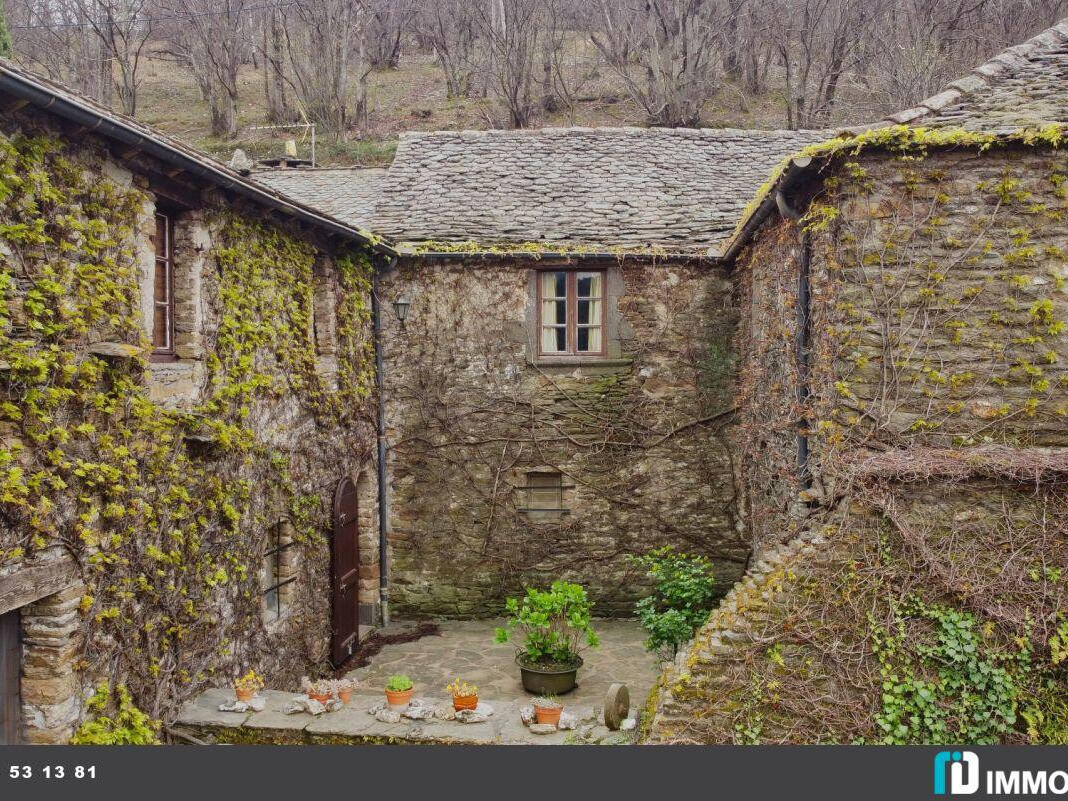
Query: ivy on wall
[
  {"x": 169, "y": 541},
  {"x": 935, "y": 417}
]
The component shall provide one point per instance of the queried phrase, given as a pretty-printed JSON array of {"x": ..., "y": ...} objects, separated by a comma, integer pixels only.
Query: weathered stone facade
[
  {"x": 638, "y": 436},
  {"x": 139, "y": 497},
  {"x": 926, "y": 376}
]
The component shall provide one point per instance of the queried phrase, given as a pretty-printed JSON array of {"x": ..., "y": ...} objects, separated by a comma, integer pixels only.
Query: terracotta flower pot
[
  {"x": 244, "y": 695},
  {"x": 322, "y": 698},
  {"x": 464, "y": 702},
  {"x": 399, "y": 698},
  {"x": 345, "y": 695},
  {"x": 548, "y": 714}
]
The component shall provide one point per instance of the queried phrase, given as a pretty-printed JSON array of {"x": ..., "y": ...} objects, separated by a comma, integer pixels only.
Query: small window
[
  {"x": 163, "y": 289},
  {"x": 571, "y": 313},
  {"x": 277, "y": 573},
  {"x": 544, "y": 493}
]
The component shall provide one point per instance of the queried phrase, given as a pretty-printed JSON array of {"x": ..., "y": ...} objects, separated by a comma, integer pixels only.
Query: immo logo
[
  {"x": 961, "y": 781},
  {"x": 965, "y": 778}
]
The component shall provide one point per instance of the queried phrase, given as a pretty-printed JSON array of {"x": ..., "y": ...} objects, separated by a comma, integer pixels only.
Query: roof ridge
[
  {"x": 986, "y": 74},
  {"x": 617, "y": 130}
]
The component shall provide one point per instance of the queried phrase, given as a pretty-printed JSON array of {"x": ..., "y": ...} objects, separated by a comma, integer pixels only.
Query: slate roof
[
  {"x": 579, "y": 189},
  {"x": 348, "y": 193},
  {"x": 1026, "y": 86}
]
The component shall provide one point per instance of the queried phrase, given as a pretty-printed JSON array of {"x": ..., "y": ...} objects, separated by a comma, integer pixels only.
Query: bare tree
[
  {"x": 667, "y": 52},
  {"x": 450, "y": 29},
  {"x": 320, "y": 36},
  {"x": 816, "y": 43},
  {"x": 123, "y": 28},
  {"x": 56, "y": 38},
  {"x": 274, "y": 66},
  {"x": 212, "y": 37},
  {"x": 511, "y": 31},
  {"x": 388, "y": 22}
]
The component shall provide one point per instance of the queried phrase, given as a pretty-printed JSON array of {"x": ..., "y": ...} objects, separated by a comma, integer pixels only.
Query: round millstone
[{"x": 616, "y": 705}]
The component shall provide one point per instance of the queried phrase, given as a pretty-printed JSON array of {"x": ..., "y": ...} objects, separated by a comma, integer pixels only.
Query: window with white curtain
[{"x": 571, "y": 312}]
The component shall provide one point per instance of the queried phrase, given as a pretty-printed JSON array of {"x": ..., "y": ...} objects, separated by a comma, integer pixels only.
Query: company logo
[
  {"x": 963, "y": 772},
  {"x": 962, "y": 768}
]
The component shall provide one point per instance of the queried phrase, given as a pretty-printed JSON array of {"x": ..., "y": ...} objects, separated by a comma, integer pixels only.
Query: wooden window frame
[
  {"x": 164, "y": 354},
  {"x": 571, "y": 314}
]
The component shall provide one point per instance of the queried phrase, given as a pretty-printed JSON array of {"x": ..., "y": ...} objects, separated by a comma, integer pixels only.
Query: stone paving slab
[
  {"x": 464, "y": 649},
  {"x": 204, "y": 710},
  {"x": 353, "y": 723}
]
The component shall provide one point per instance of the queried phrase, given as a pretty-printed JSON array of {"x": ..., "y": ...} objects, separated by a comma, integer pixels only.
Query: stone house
[
  {"x": 841, "y": 378},
  {"x": 559, "y": 395},
  {"x": 903, "y": 431},
  {"x": 186, "y": 400}
]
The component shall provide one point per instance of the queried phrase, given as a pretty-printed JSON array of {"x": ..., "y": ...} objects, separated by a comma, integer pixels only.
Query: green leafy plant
[
  {"x": 555, "y": 624},
  {"x": 682, "y": 600},
  {"x": 399, "y": 683},
  {"x": 958, "y": 689},
  {"x": 125, "y": 725}
]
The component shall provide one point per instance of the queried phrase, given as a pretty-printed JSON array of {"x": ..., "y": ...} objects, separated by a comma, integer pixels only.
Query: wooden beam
[
  {"x": 14, "y": 105},
  {"x": 35, "y": 581}
]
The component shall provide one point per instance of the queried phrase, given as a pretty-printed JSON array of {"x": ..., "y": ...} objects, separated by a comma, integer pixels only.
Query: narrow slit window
[
  {"x": 274, "y": 578},
  {"x": 163, "y": 288},
  {"x": 571, "y": 312}
]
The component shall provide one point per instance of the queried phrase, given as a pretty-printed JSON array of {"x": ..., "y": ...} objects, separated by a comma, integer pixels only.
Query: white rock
[
  {"x": 542, "y": 728},
  {"x": 302, "y": 703},
  {"x": 420, "y": 711},
  {"x": 388, "y": 715},
  {"x": 445, "y": 713},
  {"x": 628, "y": 724},
  {"x": 567, "y": 721},
  {"x": 377, "y": 707},
  {"x": 526, "y": 714},
  {"x": 484, "y": 709},
  {"x": 470, "y": 716}
]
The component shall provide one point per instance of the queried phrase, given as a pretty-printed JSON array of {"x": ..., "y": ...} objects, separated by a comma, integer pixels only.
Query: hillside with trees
[{"x": 215, "y": 73}]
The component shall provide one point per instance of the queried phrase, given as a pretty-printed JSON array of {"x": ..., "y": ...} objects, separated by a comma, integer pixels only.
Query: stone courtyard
[
  {"x": 462, "y": 649},
  {"x": 465, "y": 649}
]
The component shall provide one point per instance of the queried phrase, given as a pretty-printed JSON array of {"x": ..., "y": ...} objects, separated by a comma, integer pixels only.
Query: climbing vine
[
  {"x": 164, "y": 510},
  {"x": 933, "y": 410}
]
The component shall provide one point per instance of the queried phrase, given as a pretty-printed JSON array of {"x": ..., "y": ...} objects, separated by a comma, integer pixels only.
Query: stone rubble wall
[
  {"x": 62, "y": 630},
  {"x": 471, "y": 412}
]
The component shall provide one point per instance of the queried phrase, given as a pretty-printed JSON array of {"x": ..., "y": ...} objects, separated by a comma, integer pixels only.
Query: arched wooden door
[{"x": 345, "y": 573}]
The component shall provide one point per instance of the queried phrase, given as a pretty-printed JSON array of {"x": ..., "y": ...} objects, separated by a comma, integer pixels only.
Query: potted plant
[
  {"x": 556, "y": 626},
  {"x": 321, "y": 690},
  {"x": 399, "y": 691},
  {"x": 547, "y": 709},
  {"x": 344, "y": 689},
  {"x": 248, "y": 685},
  {"x": 464, "y": 695}
]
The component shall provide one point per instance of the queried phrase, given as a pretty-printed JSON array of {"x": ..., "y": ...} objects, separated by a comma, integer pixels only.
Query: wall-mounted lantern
[{"x": 400, "y": 308}]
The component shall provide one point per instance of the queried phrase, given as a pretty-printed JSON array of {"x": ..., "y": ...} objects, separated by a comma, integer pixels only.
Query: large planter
[{"x": 548, "y": 679}]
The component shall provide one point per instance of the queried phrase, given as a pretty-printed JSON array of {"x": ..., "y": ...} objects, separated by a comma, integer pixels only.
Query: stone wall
[
  {"x": 639, "y": 437},
  {"x": 937, "y": 318},
  {"x": 935, "y": 414},
  {"x": 163, "y": 480}
]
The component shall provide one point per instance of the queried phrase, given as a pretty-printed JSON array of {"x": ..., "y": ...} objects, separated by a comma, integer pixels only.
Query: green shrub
[
  {"x": 123, "y": 725},
  {"x": 555, "y": 623},
  {"x": 958, "y": 689},
  {"x": 399, "y": 683},
  {"x": 681, "y": 602}
]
